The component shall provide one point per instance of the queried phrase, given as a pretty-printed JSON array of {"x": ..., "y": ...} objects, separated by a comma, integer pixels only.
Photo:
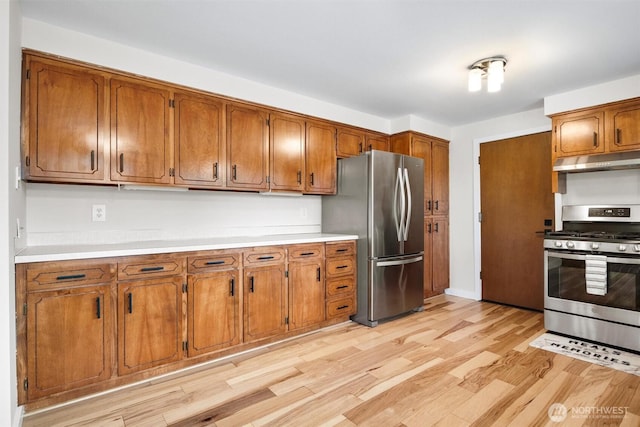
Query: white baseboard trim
[{"x": 462, "y": 294}]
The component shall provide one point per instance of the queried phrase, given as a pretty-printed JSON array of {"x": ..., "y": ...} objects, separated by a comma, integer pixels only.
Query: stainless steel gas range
[{"x": 592, "y": 275}]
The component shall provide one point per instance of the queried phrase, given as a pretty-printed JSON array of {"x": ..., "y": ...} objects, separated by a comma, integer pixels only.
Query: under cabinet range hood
[{"x": 598, "y": 162}]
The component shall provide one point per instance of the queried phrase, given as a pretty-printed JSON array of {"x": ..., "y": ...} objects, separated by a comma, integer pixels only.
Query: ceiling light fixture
[{"x": 491, "y": 68}]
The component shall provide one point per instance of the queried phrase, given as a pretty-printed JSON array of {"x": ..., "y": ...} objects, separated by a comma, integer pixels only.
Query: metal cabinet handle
[
  {"x": 219, "y": 262},
  {"x": 318, "y": 274},
  {"x": 595, "y": 139},
  {"x": 71, "y": 277},
  {"x": 130, "y": 298},
  {"x": 429, "y": 228},
  {"x": 436, "y": 226},
  {"x": 93, "y": 160},
  {"x": 342, "y": 287},
  {"x": 437, "y": 204},
  {"x": 360, "y": 147},
  {"x": 215, "y": 170},
  {"x": 251, "y": 284},
  {"x": 261, "y": 258},
  {"x": 428, "y": 205},
  {"x": 299, "y": 177},
  {"x": 98, "y": 311},
  {"x": 311, "y": 178},
  {"x": 342, "y": 266},
  {"x": 342, "y": 250},
  {"x": 232, "y": 286},
  {"x": 342, "y": 307},
  {"x": 618, "y": 136},
  {"x": 234, "y": 170},
  {"x": 121, "y": 162},
  {"x": 148, "y": 269}
]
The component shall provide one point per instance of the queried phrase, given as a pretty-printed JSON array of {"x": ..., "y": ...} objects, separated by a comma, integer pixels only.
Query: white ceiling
[{"x": 389, "y": 58}]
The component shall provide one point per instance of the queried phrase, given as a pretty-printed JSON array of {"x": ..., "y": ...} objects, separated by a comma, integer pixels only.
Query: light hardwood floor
[{"x": 458, "y": 363}]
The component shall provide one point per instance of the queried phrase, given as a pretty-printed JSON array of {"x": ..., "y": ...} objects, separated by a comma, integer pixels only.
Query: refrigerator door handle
[
  {"x": 399, "y": 191},
  {"x": 408, "y": 191},
  {"x": 399, "y": 262}
]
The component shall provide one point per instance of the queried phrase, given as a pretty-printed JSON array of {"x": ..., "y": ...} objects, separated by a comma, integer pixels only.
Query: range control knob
[
  {"x": 636, "y": 248},
  {"x": 622, "y": 248},
  {"x": 570, "y": 244},
  {"x": 558, "y": 244},
  {"x": 595, "y": 245}
]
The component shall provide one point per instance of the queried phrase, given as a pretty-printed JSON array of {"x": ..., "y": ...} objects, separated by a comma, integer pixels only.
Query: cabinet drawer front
[
  {"x": 213, "y": 262},
  {"x": 264, "y": 256},
  {"x": 340, "y": 286},
  {"x": 300, "y": 252},
  {"x": 150, "y": 267},
  {"x": 54, "y": 275},
  {"x": 341, "y": 307},
  {"x": 340, "y": 248},
  {"x": 340, "y": 266}
]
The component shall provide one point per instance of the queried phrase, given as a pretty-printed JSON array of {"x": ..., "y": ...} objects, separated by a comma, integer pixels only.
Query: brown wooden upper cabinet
[
  {"x": 200, "y": 152},
  {"x": 622, "y": 126},
  {"x": 353, "y": 141},
  {"x": 602, "y": 129},
  {"x": 247, "y": 147},
  {"x": 435, "y": 153},
  {"x": 65, "y": 122},
  {"x": 579, "y": 133},
  {"x": 287, "y": 141},
  {"x": 141, "y": 148},
  {"x": 320, "y": 158}
]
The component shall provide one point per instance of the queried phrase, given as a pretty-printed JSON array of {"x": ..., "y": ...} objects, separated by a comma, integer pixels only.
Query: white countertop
[{"x": 70, "y": 252}]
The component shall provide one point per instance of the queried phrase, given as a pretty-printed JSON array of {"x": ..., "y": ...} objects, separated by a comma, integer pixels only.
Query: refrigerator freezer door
[
  {"x": 414, "y": 242},
  {"x": 385, "y": 204},
  {"x": 395, "y": 287}
]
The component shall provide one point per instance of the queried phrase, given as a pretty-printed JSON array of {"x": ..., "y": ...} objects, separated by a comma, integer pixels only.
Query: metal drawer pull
[
  {"x": 342, "y": 286},
  {"x": 130, "y": 297},
  {"x": 214, "y": 262},
  {"x": 342, "y": 307},
  {"x": 306, "y": 253},
  {"x": 342, "y": 266},
  {"x": 71, "y": 277},
  {"x": 265, "y": 257},
  {"x": 147, "y": 269},
  {"x": 342, "y": 250},
  {"x": 98, "y": 307}
]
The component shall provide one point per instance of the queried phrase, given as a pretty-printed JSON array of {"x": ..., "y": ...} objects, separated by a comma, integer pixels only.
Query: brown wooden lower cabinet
[
  {"x": 436, "y": 255},
  {"x": 171, "y": 311}
]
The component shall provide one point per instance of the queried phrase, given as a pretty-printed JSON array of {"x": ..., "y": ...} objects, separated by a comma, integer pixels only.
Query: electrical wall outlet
[{"x": 98, "y": 213}]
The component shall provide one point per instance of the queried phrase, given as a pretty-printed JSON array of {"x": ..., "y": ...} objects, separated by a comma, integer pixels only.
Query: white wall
[{"x": 10, "y": 66}]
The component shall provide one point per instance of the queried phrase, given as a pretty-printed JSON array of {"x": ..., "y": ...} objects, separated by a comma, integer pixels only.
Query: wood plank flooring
[{"x": 458, "y": 363}]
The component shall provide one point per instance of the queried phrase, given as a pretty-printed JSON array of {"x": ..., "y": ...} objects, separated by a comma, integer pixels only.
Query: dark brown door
[{"x": 516, "y": 199}]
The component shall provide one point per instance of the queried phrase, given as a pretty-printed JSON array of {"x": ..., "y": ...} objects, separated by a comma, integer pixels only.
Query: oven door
[{"x": 565, "y": 287}]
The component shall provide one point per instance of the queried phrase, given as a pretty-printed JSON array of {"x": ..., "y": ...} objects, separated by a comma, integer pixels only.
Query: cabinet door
[
  {"x": 67, "y": 123},
  {"x": 579, "y": 133},
  {"x": 199, "y": 141},
  {"x": 440, "y": 177},
  {"x": 440, "y": 254},
  {"x": 376, "y": 142},
  {"x": 428, "y": 258},
  {"x": 70, "y": 336},
  {"x": 320, "y": 160},
  {"x": 149, "y": 323},
  {"x": 623, "y": 128},
  {"x": 140, "y": 133},
  {"x": 247, "y": 148},
  {"x": 421, "y": 147},
  {"x": 265, "y": 302},
  {"x": 213, "y": 311},
  {"x": 350, "y": 142},
  {"x": 287, "y": 152},
  {"x": 306, "y": 285}
]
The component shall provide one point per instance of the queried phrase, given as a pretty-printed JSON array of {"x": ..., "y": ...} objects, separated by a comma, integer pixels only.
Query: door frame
[{"x": 477, "y": 286}]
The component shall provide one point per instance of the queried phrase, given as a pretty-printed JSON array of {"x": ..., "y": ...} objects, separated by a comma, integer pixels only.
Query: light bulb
[{"x": 475, "y": 79}]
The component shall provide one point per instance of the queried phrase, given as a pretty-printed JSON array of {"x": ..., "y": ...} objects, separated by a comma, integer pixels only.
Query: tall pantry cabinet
[{"x": 435, "y": 153}]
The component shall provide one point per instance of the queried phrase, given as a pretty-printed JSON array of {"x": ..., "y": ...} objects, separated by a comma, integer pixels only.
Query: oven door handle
[
  {"x": 554, "y": 254},
  {"x": 582, "y": 257}
]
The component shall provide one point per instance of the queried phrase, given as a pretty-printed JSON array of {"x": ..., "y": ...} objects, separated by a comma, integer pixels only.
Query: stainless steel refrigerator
[{"x": 380, "y": 198}]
